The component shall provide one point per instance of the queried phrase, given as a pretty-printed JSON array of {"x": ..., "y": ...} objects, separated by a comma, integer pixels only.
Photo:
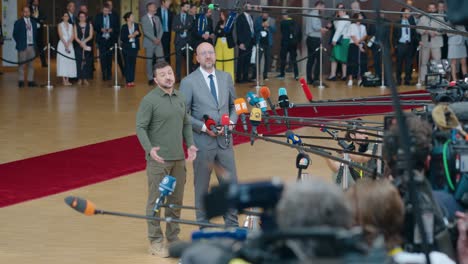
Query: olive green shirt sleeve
[
  {"x": 187, "y": 131},
  {"x": 143, "y": 119}
]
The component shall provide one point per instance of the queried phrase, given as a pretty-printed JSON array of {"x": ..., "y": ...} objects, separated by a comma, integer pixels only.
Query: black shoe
[
  {"x": 407, "y": 83},
  {"x": 20, "y": 84},
  {"x": 151, "y": 82},
  {"x": 296, "y": 78},
  {"x": 317, "y": 83},
  {"x": 44, "y": 65},
  {"x": 32, "y": 84},
  {"x": 331, "y": 78},
  {"x": 398, "y": 82}
]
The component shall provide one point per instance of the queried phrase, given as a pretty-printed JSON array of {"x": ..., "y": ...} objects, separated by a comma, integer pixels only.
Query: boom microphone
[
  {"x": 265, "y": 93},
  {"x": 226, "y": 122},
  {"x": 307, "y": 92},
  {"x": 214, "y": 7},
  {"x": 241, "y": 110},
  {"x": 283, "y": 101},
  {"x": 166, "y": 187},
  {"x": 81, "y": 205},
  {"x": 210, "y": 124},
  {"x": 255, "y": 120}
]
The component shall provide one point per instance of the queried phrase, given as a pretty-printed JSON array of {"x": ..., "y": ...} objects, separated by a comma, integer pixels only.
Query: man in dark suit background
[
  {"x": 25, "y": 36},
  {"x": 71, "y": 8},
  {"x": 166, "y": 15},
  {"x": 202, "y": 28},
  {"x": 106, "y": 36},
  {"x": 245, "y": 40},
  {"x": 404, "y": 40},
  {"x": 116, "y": 19},
  {"x": 39, "y": 17},
  {"x": 182, "y": 26}
]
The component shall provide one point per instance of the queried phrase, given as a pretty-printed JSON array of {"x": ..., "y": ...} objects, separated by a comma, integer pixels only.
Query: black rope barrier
[{"x": 23, "y": 62}]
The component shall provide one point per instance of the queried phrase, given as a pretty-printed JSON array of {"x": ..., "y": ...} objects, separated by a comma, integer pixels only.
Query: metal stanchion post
[
  {"x": 187, "y": 49},
  {"x": 383, "y": 70},
  {"x": 419, "y": 68},
  {"x": 257, "y": 67},
  {"x": 49, "y": 85},
  {"x": 116, "y": 65},
  {"x": 321, "y": 86}
]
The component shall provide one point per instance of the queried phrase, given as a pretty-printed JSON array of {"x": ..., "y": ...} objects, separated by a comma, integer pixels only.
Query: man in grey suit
[
  {"x": 431, "y": 41},
  {"x": 210, "y": 92},
  {"x": 182, "y": 25},
  {"x": 152, "y": 31}
]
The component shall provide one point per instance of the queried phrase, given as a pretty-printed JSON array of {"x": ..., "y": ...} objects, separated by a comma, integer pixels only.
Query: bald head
[{"x": 206, "y": 56}]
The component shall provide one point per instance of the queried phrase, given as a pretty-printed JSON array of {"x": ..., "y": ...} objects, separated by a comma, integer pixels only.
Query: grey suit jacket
[
  {"x": 200, "y": 102},
  {"x": 148, "y": 31},
  {"x": 437, "y": 41}
]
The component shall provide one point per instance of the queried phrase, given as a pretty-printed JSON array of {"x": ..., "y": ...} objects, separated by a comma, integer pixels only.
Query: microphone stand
[
  {"x": 116, "y": 50},
  {"x": 187, "y": 49},
  {"x": 344, "y": 181},
  {"x": 419, "y": 67},
  {"x": 49, "y": 84},
  {"x": 383, "y": 70},
  {"x": 257, "y": 68}
]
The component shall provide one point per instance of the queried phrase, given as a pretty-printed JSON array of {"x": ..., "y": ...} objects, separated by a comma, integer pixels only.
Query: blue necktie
[
  {"x": 213, "y": 88},
  {"x": 165, "y": 21}
]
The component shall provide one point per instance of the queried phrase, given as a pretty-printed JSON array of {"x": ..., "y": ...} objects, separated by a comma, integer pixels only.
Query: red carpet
[{"x": 53, "y": 173}]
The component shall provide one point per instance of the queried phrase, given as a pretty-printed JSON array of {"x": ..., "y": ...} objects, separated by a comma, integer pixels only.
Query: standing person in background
[
  {"x": 431, "y": 41},
  {"x": 265, "y": 27},
  {"x": 152, "y": 32},
  {"x": 182, "y": 26},
  {"x": 193, "y": 11},
  {"x": 84, "y": 48},
  {"x": 457, "y": 52},
  {"x": 130, "y": 37},
  {"x": 340, "y": 43},
  {"x": 211, "y": 92},
  {"x": 38, "y": 15},
  {"x": 379, "y": 43},
  {"x": 66, "y": 66},
  {"x": 202, "y": 28},
  {"x": 224, "y": 46},
  {"x": 116, "y": 20},
  {"x": 314, "y": 32},
  {"x": 71, "y": 8},
  {"x": 166, "y": 15},
  {"x": 162, "y": 125},
  {"x": 25, "y": 35},
  {"x": 245, "y": 40},
  {"x": 106, "y": 37},
  {"x": 291, "y": 36},
  {"x": 442, "y": 15},
  {"x": 357, "y": 56},
  {"x": 404, "y": 40}
]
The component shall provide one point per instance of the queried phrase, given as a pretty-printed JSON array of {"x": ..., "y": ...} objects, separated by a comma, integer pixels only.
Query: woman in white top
[
  {"x": 357, "y": 57},
  {"x": 340, "y": 42},
  {"x": 457, "y": 52},
  {"x": 66, "y": 67}
]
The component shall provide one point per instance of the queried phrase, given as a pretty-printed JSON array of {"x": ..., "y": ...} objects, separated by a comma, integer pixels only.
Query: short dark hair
[
  {"x": 127, "y": 15},
  {"x": 159, "y": 65},
  {"x": 149, "y": 3},
  {"x": 81, "y": 12},
  {"x": 356, "y": 16},
  {"x": 421, "y": 142},
  {"x": 184, "y": 3},
  {"x": 106, "y": 5},
  {"x": 319, "y": 3}
]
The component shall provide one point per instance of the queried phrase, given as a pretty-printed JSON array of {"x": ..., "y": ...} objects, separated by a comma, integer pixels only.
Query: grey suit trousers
[
  {"x": 223, "y": 162},
  {"x": 24, "y": 55},
  {"x": 155, "y": 50}
]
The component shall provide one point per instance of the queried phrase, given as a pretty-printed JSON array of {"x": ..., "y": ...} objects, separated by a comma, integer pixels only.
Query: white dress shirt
[{"x": 207, "y": 80}]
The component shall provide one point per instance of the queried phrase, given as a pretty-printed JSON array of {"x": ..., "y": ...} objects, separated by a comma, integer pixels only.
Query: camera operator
[
  {"x": 356, "y": 145},
  {"x": 311, "y": 203},
  {"x": 421, "y": 145},
  {"x": 379, "y": 210}
]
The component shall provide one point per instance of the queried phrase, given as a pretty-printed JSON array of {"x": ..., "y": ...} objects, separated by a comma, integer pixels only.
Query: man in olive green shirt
[{"x": 162, "y": 122}]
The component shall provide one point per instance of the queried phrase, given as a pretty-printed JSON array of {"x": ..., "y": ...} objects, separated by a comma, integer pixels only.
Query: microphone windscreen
[
  {"x": 176, "y": 249},
  {"x": 256, "y": 114},
  {"x": 167, "y": 185},
  {"x": 282, "y": 91},
  {"x": 265, "y": 92},
  {"x": 305, "y": 88},
  {"x": 81, "y": 205},
  {"x": 241, "y": 106},
  {"x": 252, "y": 98},
  {"x": 289, "y": 133},
  {"x": 225, "y": 120}
]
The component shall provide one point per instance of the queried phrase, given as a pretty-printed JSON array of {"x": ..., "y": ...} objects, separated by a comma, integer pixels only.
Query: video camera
[{"x": 439, "y": 88}]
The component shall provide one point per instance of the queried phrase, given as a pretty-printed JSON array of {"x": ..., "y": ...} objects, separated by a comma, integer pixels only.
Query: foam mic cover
[
  {"x": 265, "y": 92},
  {"x": 262, "y": 104},
  {"x": 282, "y": 91},
  {"x": 283, "y": 101},
  {"x": 167, "y": 185},
  {"x": 252, "y": 99},
  {"x": 225, "y": 121},
  {"x": 305, "y": 88},
  {"x": 256, "y": 115},
  {"x": 302, "y": 161},
  {"x": 292, "y": 138},
  {"x": 241, "y": 106},
  {"x": 209, "y": 122},
  {"x": 81, "y": 205}
]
